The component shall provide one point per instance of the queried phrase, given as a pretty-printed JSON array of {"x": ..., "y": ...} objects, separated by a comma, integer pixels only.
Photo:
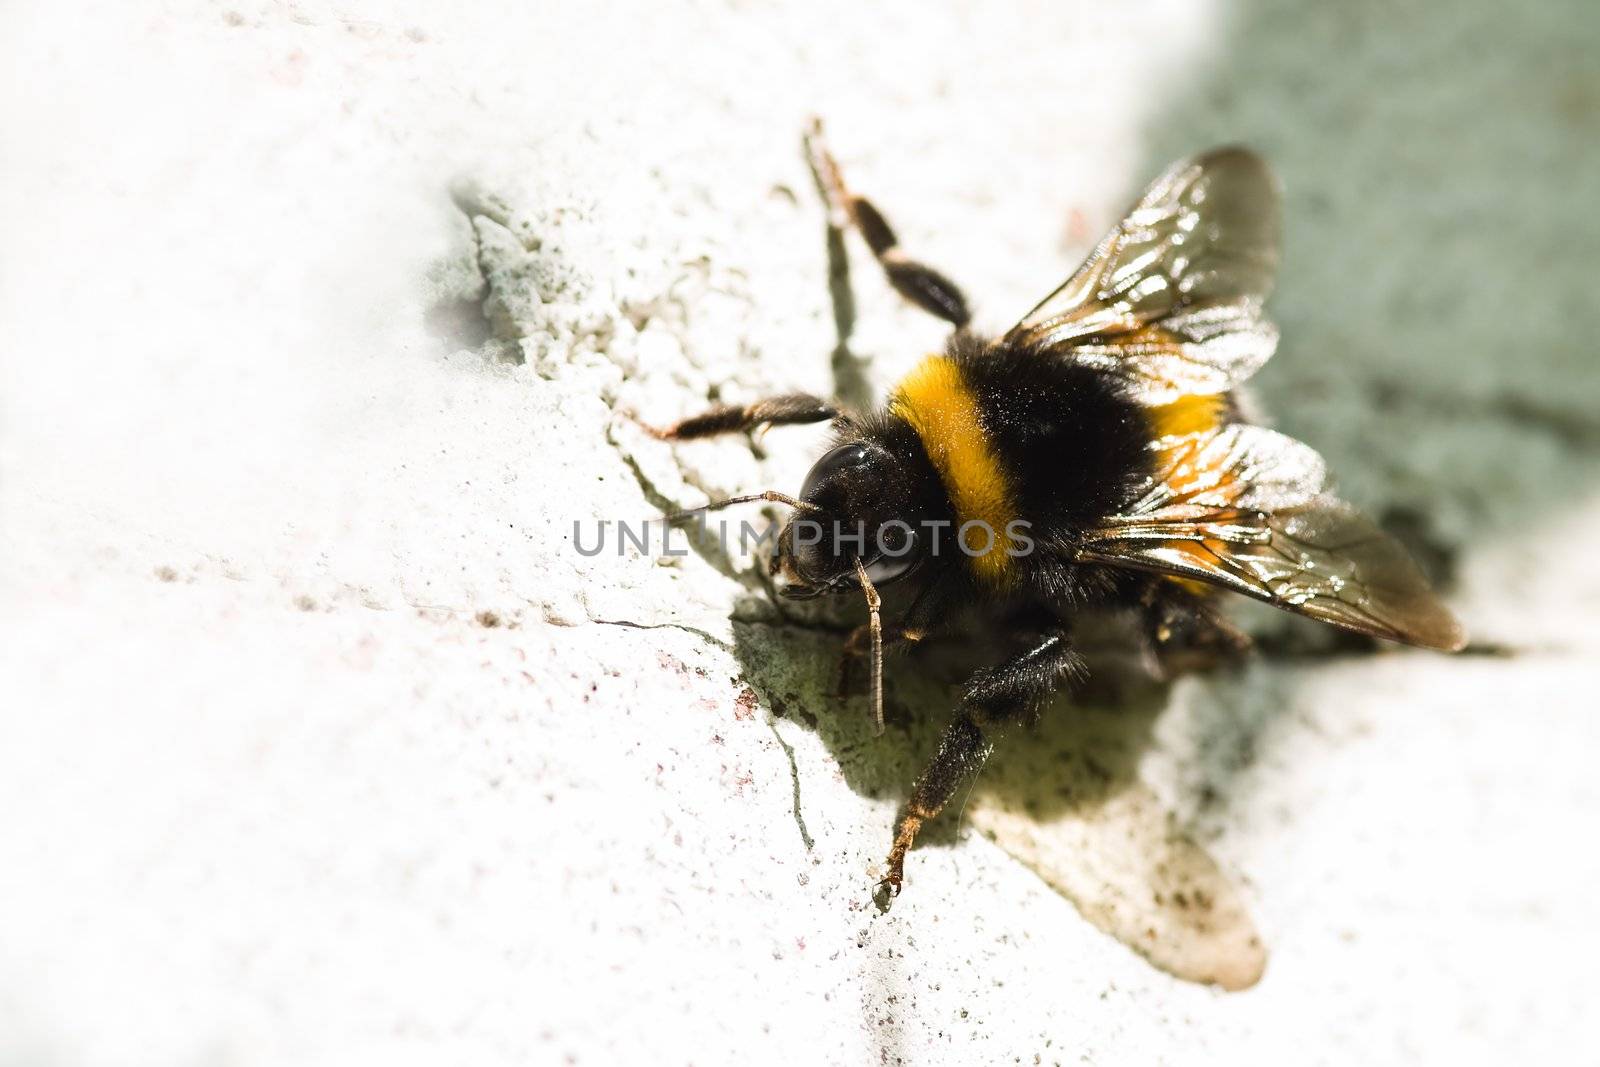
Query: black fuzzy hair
[{"x": 1075, "y": 448}]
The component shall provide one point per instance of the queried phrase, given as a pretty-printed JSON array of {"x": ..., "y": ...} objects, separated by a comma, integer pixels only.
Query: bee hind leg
[
  {"x": 916, "y": 281},
  {"x": 1187, "y": 632},
  {"x": 994, "y": 697}
]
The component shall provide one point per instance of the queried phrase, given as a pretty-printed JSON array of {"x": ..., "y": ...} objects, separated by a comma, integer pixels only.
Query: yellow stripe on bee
[
  {"x": 1188, "y": 414},
  {"x": 939, "y": 405},
  {"x": 1184, "y": 416},
  {"x": 1193, "y": 587},
  {"x": 1181, "y": 430}
]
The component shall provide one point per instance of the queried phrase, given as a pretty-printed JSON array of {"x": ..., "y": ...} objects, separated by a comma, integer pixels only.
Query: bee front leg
[
  {"x": 916, "y": 281},
  {"x": 895, "y": 638},
  {"x": 1010, "y": 692},
  {"x": 790, "y": 410},
  {"x": 922, "y": 617}
]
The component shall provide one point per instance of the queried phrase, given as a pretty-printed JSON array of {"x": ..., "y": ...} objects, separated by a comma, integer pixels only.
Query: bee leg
[
  {"x": 916, "y": 281},
  {"x": 1010, "y": 692},
  {"x": 788, "y": 410},
  {"x": 895, "y": 638},
  {"x": 1188, "y": 633},
  {"x": 921, "y": 617}
]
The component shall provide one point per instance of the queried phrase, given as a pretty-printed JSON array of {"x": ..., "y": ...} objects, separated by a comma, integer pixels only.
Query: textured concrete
[{"x": 321, "y": 743}]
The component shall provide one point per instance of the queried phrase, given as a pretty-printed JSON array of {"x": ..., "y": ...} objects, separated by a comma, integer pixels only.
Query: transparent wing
[
  {"x": 1249, "y": 468},
  {"x": 1171, "y": 299},
  {"x": 1247, "y": 509}
]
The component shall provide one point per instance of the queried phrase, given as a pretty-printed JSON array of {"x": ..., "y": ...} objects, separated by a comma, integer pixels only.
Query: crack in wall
[{"x": 794, "y": 777}]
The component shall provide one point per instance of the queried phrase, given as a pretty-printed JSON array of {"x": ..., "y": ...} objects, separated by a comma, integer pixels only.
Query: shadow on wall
[
  {"x": 1436, "y": 161},
  {"x": 1439, "y": 161}
]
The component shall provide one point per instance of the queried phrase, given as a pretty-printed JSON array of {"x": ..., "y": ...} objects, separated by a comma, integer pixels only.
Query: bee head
[{"x": 858, "y": 508}]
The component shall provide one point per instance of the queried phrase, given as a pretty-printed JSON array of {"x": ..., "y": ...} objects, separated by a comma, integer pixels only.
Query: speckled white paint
[{"x": 274, "y": 790}]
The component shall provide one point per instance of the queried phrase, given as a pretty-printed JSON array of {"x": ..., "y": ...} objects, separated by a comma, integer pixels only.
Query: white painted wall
[{"x": 271, "y": 790}]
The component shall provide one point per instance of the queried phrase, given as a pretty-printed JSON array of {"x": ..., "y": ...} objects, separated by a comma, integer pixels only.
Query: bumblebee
[{"x": 1095, "y": 456}]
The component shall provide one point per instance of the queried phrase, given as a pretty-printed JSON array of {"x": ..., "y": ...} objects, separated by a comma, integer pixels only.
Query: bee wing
[
  {"x": 1170, "y": 300},
  {"x": 1247, "y": 509}
]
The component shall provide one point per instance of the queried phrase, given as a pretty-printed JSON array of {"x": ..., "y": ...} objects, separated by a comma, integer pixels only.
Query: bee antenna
[
  {"x": 770, "y": 495},
  {"x": 875, "y": 625}
]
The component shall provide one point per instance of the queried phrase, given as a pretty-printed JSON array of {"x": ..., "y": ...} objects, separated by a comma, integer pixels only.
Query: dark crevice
[
  {"x": 695, "y": 631},
  {"x": 794, "y": 777},
  {"x": 702, "y": 541}
]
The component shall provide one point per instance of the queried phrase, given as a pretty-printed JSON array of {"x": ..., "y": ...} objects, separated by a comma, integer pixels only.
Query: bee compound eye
[
  {"x": 886, "y": 569},
  {"x": 829, "y": 477},
  {"x": 893, "y": 553},
  {"x": 896, "y": 538}
]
